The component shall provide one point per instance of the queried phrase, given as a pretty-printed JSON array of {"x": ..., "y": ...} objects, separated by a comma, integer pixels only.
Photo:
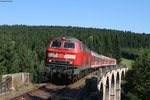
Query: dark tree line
[{"x": 22, "y": 48}]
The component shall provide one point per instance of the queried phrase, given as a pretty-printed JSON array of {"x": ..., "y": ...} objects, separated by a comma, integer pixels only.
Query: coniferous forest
[{"x": 22, "y": 49}]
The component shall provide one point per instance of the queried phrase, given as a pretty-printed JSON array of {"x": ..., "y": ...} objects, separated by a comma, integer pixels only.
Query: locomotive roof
[{"x": 66, "y": 38}]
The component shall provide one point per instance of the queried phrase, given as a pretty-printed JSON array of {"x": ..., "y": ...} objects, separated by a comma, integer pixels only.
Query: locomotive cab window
[
  {"x": 56, "y": 44},
  {"x": 70, "y": 45}
]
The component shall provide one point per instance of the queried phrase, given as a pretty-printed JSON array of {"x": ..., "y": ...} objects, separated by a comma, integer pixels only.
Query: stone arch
[
  {"x": 107, "y": 89},
  {"x": 117, "y": 80},
  {"x": 112, "y": 92},
  {"x": 122, "y": 74},
  {"x": 118, "y": 85},
  {"x": 107, "y": 83},
  {"x": 101, "y": 91},
  {"x": 117, "y": 77},
  {"x": 112, "y": 78}
]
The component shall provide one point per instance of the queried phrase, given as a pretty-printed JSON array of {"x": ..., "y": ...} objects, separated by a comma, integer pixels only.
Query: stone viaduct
[{"x": 109, "y": 83}]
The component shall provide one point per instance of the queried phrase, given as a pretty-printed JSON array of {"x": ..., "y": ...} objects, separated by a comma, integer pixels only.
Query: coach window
[
  {"x": 70, "y": 45},
  {"x": 56, "y": 44},
  {"x": 92, "y": 58},
  {"x": 100, "y": 60}
]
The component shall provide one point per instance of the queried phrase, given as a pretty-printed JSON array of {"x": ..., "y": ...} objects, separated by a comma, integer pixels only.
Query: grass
[{"x": 127, "y": 62}]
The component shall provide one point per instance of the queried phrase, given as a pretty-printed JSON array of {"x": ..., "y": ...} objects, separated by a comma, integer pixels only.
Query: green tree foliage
[
  {"x": 130, "y": 53},
  {"x": 117, "y": 49},
  {"x": 137, "y": 85}
]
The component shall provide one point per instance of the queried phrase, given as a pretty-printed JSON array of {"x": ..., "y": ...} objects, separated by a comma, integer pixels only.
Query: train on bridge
[{"x": 70, "y": 58}]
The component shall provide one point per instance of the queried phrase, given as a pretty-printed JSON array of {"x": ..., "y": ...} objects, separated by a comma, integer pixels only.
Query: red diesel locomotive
[{"x": 71, "y": 58}]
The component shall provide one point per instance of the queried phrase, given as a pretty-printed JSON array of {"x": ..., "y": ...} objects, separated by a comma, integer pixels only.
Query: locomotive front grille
[{"x": 59, "y": 62}]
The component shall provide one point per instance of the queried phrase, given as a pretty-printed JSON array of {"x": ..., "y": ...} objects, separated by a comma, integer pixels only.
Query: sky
[{"x": 124, "y": 15}]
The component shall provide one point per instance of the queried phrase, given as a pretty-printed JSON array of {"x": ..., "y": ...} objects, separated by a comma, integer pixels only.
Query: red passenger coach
[
  {"x": 100, "y": 60},
  {"x": 71, "y": 58}
]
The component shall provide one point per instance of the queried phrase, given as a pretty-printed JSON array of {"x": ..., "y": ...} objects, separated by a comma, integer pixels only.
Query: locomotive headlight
[
  {"x": 50, "y": 60},
  {"x": 71, "y": 62},
  {"x": 70, "y": 56},
  {"x": 52, "y": 55}
]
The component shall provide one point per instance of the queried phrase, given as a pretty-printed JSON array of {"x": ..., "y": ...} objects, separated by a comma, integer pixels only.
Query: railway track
[
  {"x": 55, "y": 92},
  {"x": 41, "y": 93}
]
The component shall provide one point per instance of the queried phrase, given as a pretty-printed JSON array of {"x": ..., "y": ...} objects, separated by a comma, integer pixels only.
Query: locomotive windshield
[
  {"x": 69, "y": 45},
  {"x": 56, "y": 44}
]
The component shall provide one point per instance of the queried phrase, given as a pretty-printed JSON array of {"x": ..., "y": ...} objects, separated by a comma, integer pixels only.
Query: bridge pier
[
  {"x": 118, "y": 86},
  {"x": 118, "y": 90},
  {"x": 113, "y": 88},
  {"x": 110, "y": 84}
]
